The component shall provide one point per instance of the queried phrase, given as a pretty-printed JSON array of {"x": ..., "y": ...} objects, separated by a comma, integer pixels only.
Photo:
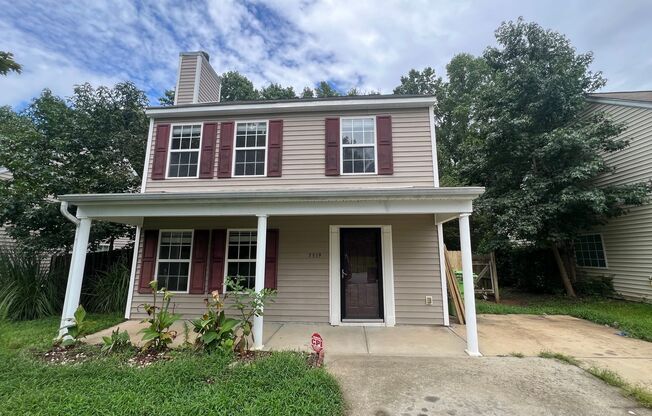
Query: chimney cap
[{"x": 204, "y": 54}]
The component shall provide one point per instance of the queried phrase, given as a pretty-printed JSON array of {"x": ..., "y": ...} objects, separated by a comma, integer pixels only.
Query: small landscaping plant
[
  {"x": 78, "y": 330},
  {"x": 118, "y": 341},
  {"x": 249, "y": 303},
  {"x": 158, "y": 336},
  {"x": 215, "y": 331}
]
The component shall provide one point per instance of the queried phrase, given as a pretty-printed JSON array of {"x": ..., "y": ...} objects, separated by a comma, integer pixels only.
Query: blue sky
[{"x": 366, "y": 44}]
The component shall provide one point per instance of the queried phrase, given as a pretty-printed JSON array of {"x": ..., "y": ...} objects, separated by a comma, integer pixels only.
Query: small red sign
[{"x": 317, "y": 343}]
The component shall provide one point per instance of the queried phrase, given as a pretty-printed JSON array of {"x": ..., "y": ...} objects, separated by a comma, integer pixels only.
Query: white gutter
[
  {"x": 624, "y": 103},
  {"x": 290, "y": 106},
  {"x": 64, "y": 210}
]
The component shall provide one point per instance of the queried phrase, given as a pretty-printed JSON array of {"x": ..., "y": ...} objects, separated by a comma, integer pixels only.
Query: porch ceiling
[{"x": 131, "y": 208}]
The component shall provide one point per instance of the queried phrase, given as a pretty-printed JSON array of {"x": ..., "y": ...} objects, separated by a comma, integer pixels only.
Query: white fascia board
[
  {"x": 624, "y": 103},
  {"x": 290, "y": 106},
  {"x": 116, "y": 211}
]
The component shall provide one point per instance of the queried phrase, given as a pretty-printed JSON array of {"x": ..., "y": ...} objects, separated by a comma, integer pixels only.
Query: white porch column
[
  {"x": 75, "y": 274},
  {"x": 261, "y": 246},
  {"x": 469, "y": 289}
]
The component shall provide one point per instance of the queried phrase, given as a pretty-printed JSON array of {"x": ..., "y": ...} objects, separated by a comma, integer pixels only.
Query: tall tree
[
  {"x": 7, "y": 63},
  {"x": 324, "y": 89},
  {"x": 539, "y": 155},
  {"x": 307, "y": 93},
  {"x": 93, "y": 142},
  {"x": 237, "y": 87},
  {"x": 167, "y": 98},
  {"x": 276, "y": 92},
  {"x": 424, "y": 82}
]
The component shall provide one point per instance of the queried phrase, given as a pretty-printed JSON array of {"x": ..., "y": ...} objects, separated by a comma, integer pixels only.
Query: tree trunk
[{"x": 562, "y": 271}]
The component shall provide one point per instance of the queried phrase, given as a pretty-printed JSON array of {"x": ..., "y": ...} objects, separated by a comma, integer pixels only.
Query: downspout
[{"x": 64, "y": 211}]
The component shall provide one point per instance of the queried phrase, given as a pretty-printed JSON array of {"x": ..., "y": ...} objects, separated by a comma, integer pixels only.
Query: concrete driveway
[
  {"x": 594, "y": 345},
  {"x": 424, "y": 386}
]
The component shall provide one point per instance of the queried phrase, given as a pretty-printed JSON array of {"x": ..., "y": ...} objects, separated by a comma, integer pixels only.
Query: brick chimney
[{"x": 197, "y": 81}]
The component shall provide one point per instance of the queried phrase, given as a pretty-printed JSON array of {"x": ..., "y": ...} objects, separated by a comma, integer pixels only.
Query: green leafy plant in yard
[
  {"x": 157, "y": 335},
  {"x": 78, "y": 330},
  {"x": 27, "y": 289},
  {"x": 249, "y": 303},
  {"x": 109, "y": 290},
  {"x": 118, "y": 341},
  {"x": 214, "y": 329}
]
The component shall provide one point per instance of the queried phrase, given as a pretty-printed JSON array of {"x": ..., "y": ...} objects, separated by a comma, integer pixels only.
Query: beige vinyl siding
[
  {"x": 303, "y": 281},
  {"x": 628, "y": 239},
  {"x": 186, "y": 85},
  {"x": 209, "y": 84},
  {"x": 304, "y": 156}
]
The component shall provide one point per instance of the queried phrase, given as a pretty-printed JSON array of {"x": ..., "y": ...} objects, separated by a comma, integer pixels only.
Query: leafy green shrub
[
  {"x": 249, "y": 303},
  {"x": 78, "y": 330},
  {"x": 215, "y": 330},
  {"x": 601, "y": 286},
  {"x": 108, "y": 291},
  {"x": 118, "y": 341},
  {"x": 27, "y": 289},
  {"x": 157, "y": 336}
]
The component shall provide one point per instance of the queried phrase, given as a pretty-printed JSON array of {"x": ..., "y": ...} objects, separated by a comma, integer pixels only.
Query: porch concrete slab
[
  {"x": 591, "y": 343},
  {"x": 413, "y": 340},
  {"x": 337, "y": 340},
  {"x": 497, "y": 386}
]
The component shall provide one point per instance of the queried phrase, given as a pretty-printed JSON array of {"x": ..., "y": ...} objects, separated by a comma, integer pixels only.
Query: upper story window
[
  {"x": 184, "y": 151},
  {"x": 589, "y": 251},
  {"x": 173, "y": 263},
  {"x": 241, "y": 257},
  {"x": 358, "y": 140},
  {"x": 250, "y": 148}
]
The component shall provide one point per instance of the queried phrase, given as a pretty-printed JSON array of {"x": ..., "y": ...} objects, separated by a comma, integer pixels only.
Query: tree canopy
[
  {"x": 92, "y": 142},
  {"x": 8, "y": 64}
]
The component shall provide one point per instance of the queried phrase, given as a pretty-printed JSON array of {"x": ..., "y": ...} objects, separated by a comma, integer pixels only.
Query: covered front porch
[{"x": 313, "y": 267}]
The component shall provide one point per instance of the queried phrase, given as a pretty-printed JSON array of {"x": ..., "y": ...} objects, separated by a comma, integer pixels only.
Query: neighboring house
[
  {"x": 622, "y": 249},
  {"x": 6, "y": 242},
  {"x": 333, "y": 202}
]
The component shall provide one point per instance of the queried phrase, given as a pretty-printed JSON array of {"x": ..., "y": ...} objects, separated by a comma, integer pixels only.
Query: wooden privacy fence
[{"x": 485, "y": 279}]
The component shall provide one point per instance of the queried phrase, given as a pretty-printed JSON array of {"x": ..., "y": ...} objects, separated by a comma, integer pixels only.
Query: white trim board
[{"x": 334, "y": 298}]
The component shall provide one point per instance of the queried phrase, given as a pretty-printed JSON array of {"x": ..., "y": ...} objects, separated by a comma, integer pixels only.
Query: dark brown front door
[{"x": 361, "y": 273}]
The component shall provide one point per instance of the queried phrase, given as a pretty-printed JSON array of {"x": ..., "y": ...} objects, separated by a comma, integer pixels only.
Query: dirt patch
[
  {"x": 144, "y": 359},
  {"x": 59, "y": 355}
]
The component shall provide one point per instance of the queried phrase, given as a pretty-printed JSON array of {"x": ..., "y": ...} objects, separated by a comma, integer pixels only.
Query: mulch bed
[
  {"x": 146, "y": 358},
  {"x": 67, "y": 355}
]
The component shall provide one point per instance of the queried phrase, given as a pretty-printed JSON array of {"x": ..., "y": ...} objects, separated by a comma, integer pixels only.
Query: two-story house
[{"x": 333, "y": 202}]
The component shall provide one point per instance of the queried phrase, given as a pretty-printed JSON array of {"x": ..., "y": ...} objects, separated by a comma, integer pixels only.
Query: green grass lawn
[
  {"x": 633, "y": 318},
  {"x": 197, "y": 384}
]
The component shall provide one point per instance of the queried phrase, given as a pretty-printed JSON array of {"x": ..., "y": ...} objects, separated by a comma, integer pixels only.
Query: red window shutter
[
  {"x": 275, "y": 148},
  {"x": 225, "y": 155},
  {"x": 199, "y": 261},
  {"x": 207, "y": 159},
  {"x": 148, "y": 260},
  {"x": 271, "y": 259},
  {"x": 332, "y": 146},
  {"x": 216, "y": 270},
  {"x": 385, "y": 154},
  {"x": 161, "y": 151}
]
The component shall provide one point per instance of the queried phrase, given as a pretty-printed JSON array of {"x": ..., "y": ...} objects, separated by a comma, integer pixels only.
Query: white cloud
[{"x": 361, "y": 43}]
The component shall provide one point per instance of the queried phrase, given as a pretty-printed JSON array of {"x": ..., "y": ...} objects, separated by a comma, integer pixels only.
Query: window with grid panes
[
  {"x": 250, "y": 148},
  {"x": 174, "y": 254},
  {"x": 589, "y": 251},
  {"x": 358, "y": 139},
  {"x": 241, "y": 257},
  {"x": 184, "y": 151}
]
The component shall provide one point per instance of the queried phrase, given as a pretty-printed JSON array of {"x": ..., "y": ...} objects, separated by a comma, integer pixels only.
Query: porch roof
[{"x": 130, "y": 208}]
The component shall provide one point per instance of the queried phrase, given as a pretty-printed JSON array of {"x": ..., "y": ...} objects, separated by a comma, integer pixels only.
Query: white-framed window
[
  {"x": 241, "y": 257},
  {"x": 173, "y": 259},
  {"x": 589, "y": 251},
  {"x": 250, "y": 150},
  {"x": 185, "y": 144},
  {"x": 358, "y": 143}
]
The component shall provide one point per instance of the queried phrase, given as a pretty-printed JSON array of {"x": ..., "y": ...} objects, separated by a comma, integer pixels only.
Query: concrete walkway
[{"x": 593, "y": 344}]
